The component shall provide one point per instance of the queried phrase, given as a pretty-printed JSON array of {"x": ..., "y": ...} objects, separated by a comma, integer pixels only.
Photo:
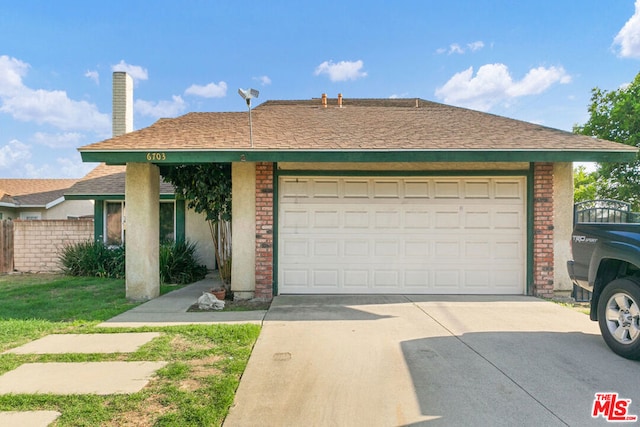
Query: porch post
[
  {"x": 243, "y": 226},
  {"x": 142, "y": 225}
]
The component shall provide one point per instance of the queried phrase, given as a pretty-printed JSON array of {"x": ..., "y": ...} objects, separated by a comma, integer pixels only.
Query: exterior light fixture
[{"x": 248, "y": 95}]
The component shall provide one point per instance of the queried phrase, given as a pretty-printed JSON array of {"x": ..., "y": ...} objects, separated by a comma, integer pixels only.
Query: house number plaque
[{"x": 156, "y": 156}]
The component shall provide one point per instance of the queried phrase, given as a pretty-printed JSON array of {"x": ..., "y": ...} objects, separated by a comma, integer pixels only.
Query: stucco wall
[
  {"x": 243, "y": 273},
  {"x": 197, "y": 231},
  {"x": 63, "y": 210},
  {"x": 563, "y": 223},
  {"x": 70, "y": 208}
]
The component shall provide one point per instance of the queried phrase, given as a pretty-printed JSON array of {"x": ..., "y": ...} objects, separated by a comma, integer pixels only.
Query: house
[
  {"x": 369, "y": 196},
  {"x": 104, "y": 188},
  {"x": 40, "y": 199}
]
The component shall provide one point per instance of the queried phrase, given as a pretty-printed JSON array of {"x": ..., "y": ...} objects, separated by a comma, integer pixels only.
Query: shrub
[
  {"x": 93, "y": 258},
  {"x": 179, "y": 263}
]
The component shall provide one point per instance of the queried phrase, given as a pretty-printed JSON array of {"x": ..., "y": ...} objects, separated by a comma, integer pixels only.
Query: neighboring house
[
  {"x": 40, "y": 199},
  {"x": 369, "y": 196},
  {"x": 104, "y": 187}
]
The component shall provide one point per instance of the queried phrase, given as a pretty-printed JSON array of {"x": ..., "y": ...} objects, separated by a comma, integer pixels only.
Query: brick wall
[
  {"x": 37, "y": 244},
  {"x": 264, "y": 230},
  {"x": 543, "y": 256}
]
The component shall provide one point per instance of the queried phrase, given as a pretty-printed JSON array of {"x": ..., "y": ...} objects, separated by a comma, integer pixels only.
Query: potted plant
[{"x": 219, "y": 293}]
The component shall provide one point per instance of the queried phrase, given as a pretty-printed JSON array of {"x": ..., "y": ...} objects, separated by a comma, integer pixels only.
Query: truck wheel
[{"x": 619, "y": 317}]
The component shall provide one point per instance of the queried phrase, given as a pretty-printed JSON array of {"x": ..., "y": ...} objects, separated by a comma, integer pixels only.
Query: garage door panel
[
  {"x": 402, "y": 235},
  {"x": 416, "y": 219},
  {"x": 449, "y": 189},
  {"x": 326, "y": 188},
  {"x": 508, "y": 220},
  {"x": 295, "y": 248},
  {"x": 356, "y": 279},
  {"x": 356, "y": 188},
  {"x": 477, "y": 219},
  {"x": 416, "y": 248},
  {"x": 356, "y": 248},
  {"x": 328, "y": 219},
  {"x": 416, "y": 189},
  {"x": 416, "y": 280},
  {"x": 295, "y": 218},
  {"x": 356, "y": 219},
  {"x": 386, "y": 189}
]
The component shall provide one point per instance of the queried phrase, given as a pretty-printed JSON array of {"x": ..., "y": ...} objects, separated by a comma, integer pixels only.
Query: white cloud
[
  {"x": 41, "y": 106},
  {"x": 93, "y": 75},
  {"x": 399, "y": 96},
  {"x": 211, "y": 90},
  {"x": 493, "y": 84},
  {"x": 63, "y": 167},
  {"x": 475, "y": 46},
  {"x": 456, "y": 48},
  {"x": 136, "y": 72},
  {"x": 58, "y": 140},
  {"x": 160, "y": 109},
  {"x": 13, "y": 153},
  {"x": 264, "y": 80},
  {"x": 628, "y": 38},
  {"x": 12, "y": 71},
  {"x": 538, "y": 80},
  {"x": 73, "y": 167},
  {"x": 54, "y": 108},
  {"x": 342, "y": 71}
]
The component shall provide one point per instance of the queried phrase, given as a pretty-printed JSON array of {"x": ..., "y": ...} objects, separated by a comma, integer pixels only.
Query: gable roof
[
  {"x": 40, "y": 193},
  {"x": 106, "y": 181},
  {"x": 361, "y": 130}
]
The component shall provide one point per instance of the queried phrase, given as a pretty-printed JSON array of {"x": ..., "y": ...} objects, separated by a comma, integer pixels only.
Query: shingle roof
[
  {"x": 361, "y": 125},
  {"x": 106, "y": 180},
  {"x": 33, "y": 192}
]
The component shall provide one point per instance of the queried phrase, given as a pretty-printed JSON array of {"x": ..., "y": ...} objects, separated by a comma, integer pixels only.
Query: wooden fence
[{"x": 6, "y": 246}]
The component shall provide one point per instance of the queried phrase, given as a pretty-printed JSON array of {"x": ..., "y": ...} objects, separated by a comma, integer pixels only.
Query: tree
[
  {"x": 584, "y": 185},
  {"x": 615, "y": 116},
  {"x": 207, "y": 188}
]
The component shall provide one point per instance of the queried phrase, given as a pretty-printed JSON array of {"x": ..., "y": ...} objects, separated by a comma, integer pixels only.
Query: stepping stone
[
  {"x": 28, "y": 418},
  {"x": 100, "y": 378},
  {"x": 86, "y": 343}
]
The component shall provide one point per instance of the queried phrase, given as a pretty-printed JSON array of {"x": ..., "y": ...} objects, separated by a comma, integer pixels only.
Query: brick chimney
[{"x": 122, "y": 103}]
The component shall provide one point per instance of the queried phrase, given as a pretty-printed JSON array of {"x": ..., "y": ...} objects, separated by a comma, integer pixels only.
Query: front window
[
  {"x": 167, "y": 221},
  {"x": 114, "y": 235},
  {"x": 115, "y": 217}
]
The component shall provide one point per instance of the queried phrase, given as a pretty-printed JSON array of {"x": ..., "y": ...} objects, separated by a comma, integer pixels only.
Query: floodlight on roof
[{"x": 248, "y": 95}]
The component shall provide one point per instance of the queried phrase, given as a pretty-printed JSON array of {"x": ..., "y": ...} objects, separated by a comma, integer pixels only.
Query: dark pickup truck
[{"x": 606, "y": 262}]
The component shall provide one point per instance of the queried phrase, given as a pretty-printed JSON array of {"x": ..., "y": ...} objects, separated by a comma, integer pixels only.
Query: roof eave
[{"x": 114, "y": 157}]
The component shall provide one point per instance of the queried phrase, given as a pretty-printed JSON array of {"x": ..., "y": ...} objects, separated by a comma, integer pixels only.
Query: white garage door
[{"x": 401, "y": 235}]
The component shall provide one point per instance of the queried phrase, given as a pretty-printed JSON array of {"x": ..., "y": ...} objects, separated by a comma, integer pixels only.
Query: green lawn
[{"x": 196, "y": 388}]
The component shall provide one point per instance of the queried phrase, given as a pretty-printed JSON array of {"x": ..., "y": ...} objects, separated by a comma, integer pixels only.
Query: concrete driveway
[{"x": 428, "y": 361}]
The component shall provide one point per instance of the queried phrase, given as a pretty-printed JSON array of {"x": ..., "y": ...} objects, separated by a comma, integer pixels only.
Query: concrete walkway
[{"x": 171, "y": 309}]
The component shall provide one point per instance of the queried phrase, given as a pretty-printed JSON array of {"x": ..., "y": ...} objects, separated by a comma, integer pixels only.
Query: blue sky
[{"x": 531, "y": 60}]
